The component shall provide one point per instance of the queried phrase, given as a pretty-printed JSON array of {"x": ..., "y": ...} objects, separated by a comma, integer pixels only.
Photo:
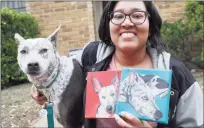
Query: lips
[
  {"x": 127, "y": 35},
  {"x": 110, "y": 112},
  {"x": 33, "y": 73}
]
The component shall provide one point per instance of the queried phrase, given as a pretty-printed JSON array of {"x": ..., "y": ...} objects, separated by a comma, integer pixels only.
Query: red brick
[
  {"x": 66, "y": 38},
  {"x": 82, "y": 6},
  {"x": 70, "y": 8},
  {"x": 72, "y": 42},
  {"x": 48, "y": 10},
  {"x": 59, "y": 9},
  {"x": 177, "y": 14},
  {"x": 172, "y": 19},
  {"x": 63, "y": 26}
]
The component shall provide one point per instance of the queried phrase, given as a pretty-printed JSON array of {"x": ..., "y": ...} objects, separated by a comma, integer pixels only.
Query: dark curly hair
[{"x": 155, "y": 22}]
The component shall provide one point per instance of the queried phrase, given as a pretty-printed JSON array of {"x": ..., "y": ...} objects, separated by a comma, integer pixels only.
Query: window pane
[{"x": 15, "y": 5}]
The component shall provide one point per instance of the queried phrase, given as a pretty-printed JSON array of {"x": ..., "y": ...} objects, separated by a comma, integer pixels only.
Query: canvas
[
  {"x": 145, "y": 93},
  {"x": 101, "y": 94}
]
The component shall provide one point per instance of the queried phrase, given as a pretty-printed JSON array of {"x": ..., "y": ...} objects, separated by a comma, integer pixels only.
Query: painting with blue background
[{"x": 162, "y": 103}]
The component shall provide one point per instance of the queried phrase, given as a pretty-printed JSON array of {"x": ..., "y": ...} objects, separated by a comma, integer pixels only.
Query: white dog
[
  {"x": 107, "y": 96},
  {"x": 51, "y": 74},
  {"x": 140, "y": 92}
]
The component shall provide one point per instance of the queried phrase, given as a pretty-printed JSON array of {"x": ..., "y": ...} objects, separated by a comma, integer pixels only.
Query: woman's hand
[
  {"x": 127, "y": 120},
  {"x": 37, "y": 96}
]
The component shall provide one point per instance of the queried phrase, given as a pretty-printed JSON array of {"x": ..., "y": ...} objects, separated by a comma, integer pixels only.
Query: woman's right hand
[{"x": 38, "y": 96}]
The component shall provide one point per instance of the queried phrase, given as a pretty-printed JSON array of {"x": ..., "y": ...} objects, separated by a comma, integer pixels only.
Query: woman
[{"x": 130, "y": 37}]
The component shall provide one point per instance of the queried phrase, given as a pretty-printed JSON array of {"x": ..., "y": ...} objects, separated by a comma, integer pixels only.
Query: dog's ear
[
  {"x": 158, "y": 86},
  {"x": 115, "y": 80},
  {"x": 135, "y": 78},
  {"x": 18, "y": 38},
  {"x": 132, "y": 77},
  {"x": 53, "y": 37},
  {"x": 96, "y": 85}
]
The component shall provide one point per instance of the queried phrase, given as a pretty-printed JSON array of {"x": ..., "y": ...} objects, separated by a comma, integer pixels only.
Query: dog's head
[
  {"x": 143, "y": 91},
  {"x": 107, "y": 94},
  {"x": 37, "y": 56}
]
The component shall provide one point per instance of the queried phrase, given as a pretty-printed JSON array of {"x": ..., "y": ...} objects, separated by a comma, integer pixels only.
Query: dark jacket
[{"x": 186, "y": 102}]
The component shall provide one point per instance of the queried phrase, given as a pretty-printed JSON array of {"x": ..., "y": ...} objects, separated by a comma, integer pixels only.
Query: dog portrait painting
[
  {"x": 101, "y": 94},
  {"x": 145, "y": 93}
]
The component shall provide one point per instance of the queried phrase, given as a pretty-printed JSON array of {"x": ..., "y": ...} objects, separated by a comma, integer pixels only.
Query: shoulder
[
  {"x": 89, "y": 53},
  {"x": 95, "y": 52},
  {"x": 180, "y": 69},
  {"x": 90, "y": 48},
  {"x": 182, "y": 75}
]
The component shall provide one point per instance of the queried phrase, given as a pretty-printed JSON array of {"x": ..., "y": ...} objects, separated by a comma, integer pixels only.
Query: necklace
[
  {"x": 114, "y": 62},
  {"x": 117, "y": 75}
]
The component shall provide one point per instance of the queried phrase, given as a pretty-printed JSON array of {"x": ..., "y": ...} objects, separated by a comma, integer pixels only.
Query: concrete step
[{"x": 42, "y": 122}]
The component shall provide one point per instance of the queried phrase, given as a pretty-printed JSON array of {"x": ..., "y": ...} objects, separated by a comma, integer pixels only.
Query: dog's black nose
[
  {"x": 109, "y": 108},
  {"x": 33, "y": 66},
  {"x": 158, "y": 114}
]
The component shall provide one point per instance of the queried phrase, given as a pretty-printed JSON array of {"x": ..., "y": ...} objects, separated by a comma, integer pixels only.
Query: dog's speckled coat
[{"x": 53, "y": 76}]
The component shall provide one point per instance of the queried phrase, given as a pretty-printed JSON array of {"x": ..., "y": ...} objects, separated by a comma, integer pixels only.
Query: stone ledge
[{"x": 42, "y": 123}]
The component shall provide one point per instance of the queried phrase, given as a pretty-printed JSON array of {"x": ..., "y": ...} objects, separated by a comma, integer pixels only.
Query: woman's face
[{"x": 128, "y": 37}]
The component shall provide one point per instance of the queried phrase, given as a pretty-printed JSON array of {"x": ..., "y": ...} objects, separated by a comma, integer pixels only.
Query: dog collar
[{"x": 51, "y": 78}]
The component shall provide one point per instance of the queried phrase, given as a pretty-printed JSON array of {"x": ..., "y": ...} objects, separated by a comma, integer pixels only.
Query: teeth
[{"x": 127, "y": 35}]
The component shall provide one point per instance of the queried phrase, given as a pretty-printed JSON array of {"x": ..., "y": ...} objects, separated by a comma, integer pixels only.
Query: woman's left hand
[{"x": 127, "y": 120}]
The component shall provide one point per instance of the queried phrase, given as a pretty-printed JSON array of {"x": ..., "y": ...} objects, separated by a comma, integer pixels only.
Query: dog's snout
[
  {"x": 33, "y": 65},
  {"x": 157, "y": 115},
  {"x": 109, "y": 108},
  {"x": 33, "y": 68}
]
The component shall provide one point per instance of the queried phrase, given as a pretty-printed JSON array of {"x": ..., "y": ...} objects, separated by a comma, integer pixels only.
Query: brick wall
[
  {"x": 170, "y": 11},
  {"x": 76, "y": 19}
]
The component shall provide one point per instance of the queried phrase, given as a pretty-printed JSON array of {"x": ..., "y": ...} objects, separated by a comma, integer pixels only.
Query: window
[{"x": 15, "y": 5}]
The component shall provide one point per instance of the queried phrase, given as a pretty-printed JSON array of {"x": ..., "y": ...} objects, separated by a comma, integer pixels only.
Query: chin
[
  {"x": 34, "y": 77},
  {"x": 31, "y": 79},
  {"x": 129, "y": 48}
]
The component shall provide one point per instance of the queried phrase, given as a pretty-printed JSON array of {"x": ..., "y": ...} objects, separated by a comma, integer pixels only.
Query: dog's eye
[
  {"x": 23, "y": 51},
  {"x": 144, "y": 98},
  {"x": 112, "y": 94},
  {"x": 43, "y": 50}
]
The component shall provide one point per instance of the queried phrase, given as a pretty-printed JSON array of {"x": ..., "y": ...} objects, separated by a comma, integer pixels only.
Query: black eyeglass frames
[{"x": 136, "y": 17}]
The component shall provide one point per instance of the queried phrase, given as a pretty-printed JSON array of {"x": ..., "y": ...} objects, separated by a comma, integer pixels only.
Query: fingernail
[
  {"x": 127, "y": 114},
  {"x": 122, "y": 113},
  {"x": 116, "y": 116}
]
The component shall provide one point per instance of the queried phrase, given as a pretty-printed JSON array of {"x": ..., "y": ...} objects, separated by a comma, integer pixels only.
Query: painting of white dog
[
  {"x": 101, "y": 94},
  {"x": 145, "y": 93}
]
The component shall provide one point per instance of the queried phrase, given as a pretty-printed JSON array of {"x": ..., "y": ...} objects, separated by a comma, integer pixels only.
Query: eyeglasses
[{"x": 136, "y": 17}]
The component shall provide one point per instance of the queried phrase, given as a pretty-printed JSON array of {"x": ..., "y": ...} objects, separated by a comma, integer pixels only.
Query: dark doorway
[{"x": 104, "y": 3}]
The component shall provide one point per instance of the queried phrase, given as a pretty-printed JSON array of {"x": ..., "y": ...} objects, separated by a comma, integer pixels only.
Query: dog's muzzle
[{"x": 33, "y": 68}]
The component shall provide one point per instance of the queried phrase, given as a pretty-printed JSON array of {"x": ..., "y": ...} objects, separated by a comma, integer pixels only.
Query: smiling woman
[{"x": 130, "y": 37}]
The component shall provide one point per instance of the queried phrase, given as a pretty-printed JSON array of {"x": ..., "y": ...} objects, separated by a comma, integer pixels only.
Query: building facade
[{"x": 80, "y": 20}]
